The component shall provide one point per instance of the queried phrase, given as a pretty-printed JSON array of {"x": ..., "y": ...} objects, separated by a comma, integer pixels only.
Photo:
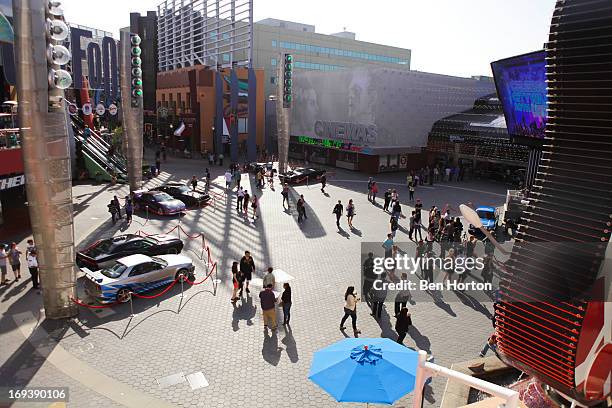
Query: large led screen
[{"x": 521, "y": 86}]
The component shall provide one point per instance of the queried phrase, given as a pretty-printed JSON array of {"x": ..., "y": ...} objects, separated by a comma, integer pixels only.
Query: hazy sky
[{"x": 455, "y": 37}]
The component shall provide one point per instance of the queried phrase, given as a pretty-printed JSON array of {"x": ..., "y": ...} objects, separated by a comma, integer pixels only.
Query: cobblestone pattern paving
[{"x": 245, "y": 366}]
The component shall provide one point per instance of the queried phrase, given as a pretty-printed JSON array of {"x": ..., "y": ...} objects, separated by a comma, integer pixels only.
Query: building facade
[
  {"x": 314, "y": 51},
  {"x": 189, "y": 95},
  {"x": 374, "y": 119}
]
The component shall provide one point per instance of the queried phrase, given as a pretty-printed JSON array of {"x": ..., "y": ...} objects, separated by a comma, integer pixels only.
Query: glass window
[
  {"x": 226, "y": 57},
  {"x": 272, "y": 80},
  {"x": 273, "y": 43},
  {"x": 273, "y": 62}
]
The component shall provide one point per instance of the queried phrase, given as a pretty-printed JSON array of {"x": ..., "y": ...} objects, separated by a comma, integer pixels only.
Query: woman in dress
[{"x": 350, "y": 213}]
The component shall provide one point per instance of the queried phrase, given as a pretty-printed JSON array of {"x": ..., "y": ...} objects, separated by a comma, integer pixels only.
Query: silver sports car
[{"x": 135, "y": 273}]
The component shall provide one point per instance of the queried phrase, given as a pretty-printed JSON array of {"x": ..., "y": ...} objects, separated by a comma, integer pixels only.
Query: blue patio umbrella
[{"x": 368, "y": 370}]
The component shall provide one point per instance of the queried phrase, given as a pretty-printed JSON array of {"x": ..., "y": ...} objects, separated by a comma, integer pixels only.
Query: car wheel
[
  {"x": 182, "y": 273},
  {"x": 123, "y": 295}
]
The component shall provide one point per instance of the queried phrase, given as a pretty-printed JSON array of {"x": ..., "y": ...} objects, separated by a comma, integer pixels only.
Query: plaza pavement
[{"x": 110, "y": 359}]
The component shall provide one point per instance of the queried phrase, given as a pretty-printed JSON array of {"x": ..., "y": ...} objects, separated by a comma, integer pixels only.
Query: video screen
[{"x": 521, "y": 86}]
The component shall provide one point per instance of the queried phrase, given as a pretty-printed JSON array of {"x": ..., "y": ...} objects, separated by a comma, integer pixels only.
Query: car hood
[
  {"x": 164, "y": 238},
  {"x": 175, "y": 260},
  {"x": 194, "y": 194},
  {"x": 173, "y": 204}
]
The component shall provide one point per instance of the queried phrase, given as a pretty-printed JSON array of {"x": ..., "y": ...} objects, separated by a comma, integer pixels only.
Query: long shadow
[
  {"x": 78, "y": 208},
  {"x": 311, "y": 227},
  {"x": 270, "y": 351},
  {"x": 474, "y": 304},
  {"x": 420, "y": 340},
  {"x": 243, "y": 311},
  {"x": 385, "y": 324},
  {"x": 290, "y": 345}
]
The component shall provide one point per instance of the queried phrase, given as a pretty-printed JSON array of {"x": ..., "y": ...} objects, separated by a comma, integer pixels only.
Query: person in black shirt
[
  {"x": 323, "y": 182},
  {"x": 247, "y": 267},
  {"x": 338, "y": 210},
  {"x": 402, "y": 325},
  {"x": 286, "y": 303},
  {"x": 387, "y": 200}
]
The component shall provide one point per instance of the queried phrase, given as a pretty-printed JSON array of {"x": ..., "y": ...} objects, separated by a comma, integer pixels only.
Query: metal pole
[
  {"x": 132, "y": 117},
  {"x": 46, "y": 158},
  {"x": 131, "y": 306},
  {"x": 182, "y": 282}
]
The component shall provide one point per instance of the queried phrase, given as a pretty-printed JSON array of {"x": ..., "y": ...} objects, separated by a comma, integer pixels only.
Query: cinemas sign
[{"x": 11, "y": 182}]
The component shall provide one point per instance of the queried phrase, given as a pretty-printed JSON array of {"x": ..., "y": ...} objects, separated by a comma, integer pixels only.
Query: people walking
[
  {"x": 269, "y": 278},
  {"x": 129, "y": 210},
  {"x": 254, "y": 205},
  {"x": 402, "y": 325},
  {"x": 268, "y": 303},
  {"x": 118, "y": 206},
  {"x": 490, "y": 344},
  {"x": 374, "y": 192},
  {"x": 228, "y": 179},
  {"x": 402, "y": 297},
  {"x": 207, "y": 177},
  {"x": 245, "y": 204},
  {"x": 112, "y": 209},
  {"x": 411, "y": 192},
  {"x": 247, "y": 267},
  {"x": 396, "y": 210},
  {"x": 220, "y": 157},
  {"x": 32, "y": 261},
  {"x": 285, "y": 194},
  {"x": 387, "y": 200},
  {"x": 286, "y": 303},
  {"x": 370, "y": 182},
  {"x": 157, "y": 166},
  {"x": 350, "y": 309},
  {"x": 338, "y": 210},
  {"x": 238, "y": 176},
  {"x": 194, "y": 183},
  {"x": 15, "y": 260},
  {"x": 388, "y": 246},
  {"x": 394, "y": 226},
  {"x": 3, "y": 265},
  {"x": 350, "y": 213},
  {"x": 323, "y": 182},
  {"x": 235, "y": 281},
  {"x": 300, "y": 209},
  {"x": 378, "y": 297},
  {"x": 239, "y": 200}
]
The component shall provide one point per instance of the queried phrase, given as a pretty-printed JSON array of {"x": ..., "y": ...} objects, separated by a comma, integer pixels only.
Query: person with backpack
[
  {"x": 338, "y": 210},
  {"x": 402, "y": 324}
]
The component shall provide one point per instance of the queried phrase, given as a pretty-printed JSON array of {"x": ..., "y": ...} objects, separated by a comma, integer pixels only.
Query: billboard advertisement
[
  {"x": 378, "y": 107},
  {"x": 521, "y": 86}
]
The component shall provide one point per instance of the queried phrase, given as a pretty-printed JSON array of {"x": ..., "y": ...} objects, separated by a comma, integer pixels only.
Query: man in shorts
[
  {"x": 3, "y": 264},
  {"x": 247, "y": 267}
]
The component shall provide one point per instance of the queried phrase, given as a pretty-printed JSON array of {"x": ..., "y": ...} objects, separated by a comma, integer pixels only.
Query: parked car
[
  {"x": 104, "y": 252},
  {"x": 135, "y": 273},
  {"x": 256, "y": 167},
  {"x": 184, "y": 193},
  {"x": 300, "y": 175},
  {"x": 489, "y": 219},
  {"x": 158, "y": 202}
]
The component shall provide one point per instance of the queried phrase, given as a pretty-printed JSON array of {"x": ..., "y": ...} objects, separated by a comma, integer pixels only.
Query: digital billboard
[
  {"x": 521, "y": 86},
  {"x": 377, "y": 107}
]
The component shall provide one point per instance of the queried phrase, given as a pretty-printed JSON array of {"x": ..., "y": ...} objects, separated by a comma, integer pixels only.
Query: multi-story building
[{"x": 316, "y": 51}]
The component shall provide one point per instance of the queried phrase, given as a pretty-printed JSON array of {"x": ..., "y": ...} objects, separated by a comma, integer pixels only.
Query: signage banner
[
  {"x": 100, "y": 109},
  {"x": 73, "y": 109},
  {"x": 86, "y": 109},
  {"x": 112, "y": 109},
  {"x": 11, "y": 182}
]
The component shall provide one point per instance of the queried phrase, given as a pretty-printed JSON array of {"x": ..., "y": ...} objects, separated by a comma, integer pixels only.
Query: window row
[{"x": 338, "y": 52}]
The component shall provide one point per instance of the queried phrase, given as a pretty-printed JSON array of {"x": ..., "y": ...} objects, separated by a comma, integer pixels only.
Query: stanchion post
[
  {"x": 147, "y": 213},
  {"x": 216, "y": 282},
  {"x": 131, "y": 306},
  {"x": 182, "y": 281},
  {"x": 179, "y": 225}
]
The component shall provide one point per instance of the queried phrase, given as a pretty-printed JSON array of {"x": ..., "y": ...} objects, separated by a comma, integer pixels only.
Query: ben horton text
[{"x": 404, "y": 263}]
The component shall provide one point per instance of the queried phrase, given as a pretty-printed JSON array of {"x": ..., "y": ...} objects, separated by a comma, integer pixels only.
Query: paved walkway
[{"x": 172, "y": 338}]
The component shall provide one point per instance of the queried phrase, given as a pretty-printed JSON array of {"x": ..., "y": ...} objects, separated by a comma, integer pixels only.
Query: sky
[{"x": 453, "y": 37}]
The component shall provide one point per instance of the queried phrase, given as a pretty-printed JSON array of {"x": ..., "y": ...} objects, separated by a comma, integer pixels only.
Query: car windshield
[
  {"x": 103, "y": 247},
  {"x": 160, "y": 261},
  {"x": 114, "y": 271},
  {"x": 486, "y": 214},
  {"x": 160, "y": 197}
]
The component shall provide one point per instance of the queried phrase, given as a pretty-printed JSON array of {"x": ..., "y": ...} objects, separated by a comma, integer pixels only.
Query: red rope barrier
[
  {"x": 190, "y": 236},
  {"x": 159, "y": 294}
]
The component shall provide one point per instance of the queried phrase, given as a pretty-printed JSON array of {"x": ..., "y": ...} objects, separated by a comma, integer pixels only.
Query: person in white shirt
[
  {"x": 3, "y": 265},
  {"x": 228, "y": 179},
  {"x": 240, "y": 200},
  {"x": 350, "y": 309},
  {"x": 269, "y": 279},
  {"x": 33, "y": 267}
]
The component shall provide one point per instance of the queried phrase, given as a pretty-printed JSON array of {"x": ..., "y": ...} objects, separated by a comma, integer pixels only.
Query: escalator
[{"x": 96, "y": 156}]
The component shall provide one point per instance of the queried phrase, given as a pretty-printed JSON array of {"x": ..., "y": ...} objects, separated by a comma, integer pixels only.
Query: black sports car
[
  {"x": 158, "y": 202},
  {"x": 103, "y": 252},
  {"x": 256, "y": 167},
  {"x": 301, "y": 175},
  {"x": 185, "y": 194}
]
